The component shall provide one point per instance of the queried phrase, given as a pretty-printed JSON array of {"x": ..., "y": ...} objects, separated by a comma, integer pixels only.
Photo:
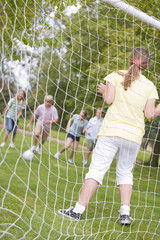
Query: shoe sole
[
  {"x": 125, "y": 223},
  {"x": 67, "y": 216}
]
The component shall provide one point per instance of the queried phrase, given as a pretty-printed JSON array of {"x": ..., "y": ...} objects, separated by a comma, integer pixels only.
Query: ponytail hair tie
[{"x": 137, "y": 62}]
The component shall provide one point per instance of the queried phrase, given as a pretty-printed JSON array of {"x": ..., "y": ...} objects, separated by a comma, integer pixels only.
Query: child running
[
  {"x": 14, "y": 110},
  {"x": 92, "y": 131},
  {"x": 131, "y": 96},
  {"x": 74, "y": 133},
  {"x": 47, "y": 115}
]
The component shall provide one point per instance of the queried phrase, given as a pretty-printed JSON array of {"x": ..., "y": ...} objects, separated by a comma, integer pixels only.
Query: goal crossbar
[{"x": 135, "y": 12}]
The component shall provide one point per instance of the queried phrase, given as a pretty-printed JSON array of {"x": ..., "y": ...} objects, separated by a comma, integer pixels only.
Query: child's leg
[
  {"x": 35, "y": 140},
  {"x": 15, "y": 125},
  {"x": 45, "y": 134},
  {"x": 64, "y": 148},
  {"x": 88, "y": 190},
  {"x": 126, "y": 158},
  {"x": 68, "y": 144},
  {"x": 102, "y": 157},
  {"x": 5, "y": 137},
  {"x": 37, "y": 134},
  {"x": 9, "y": 129},
  {"x": 13, "y": 137},
  {"x": 125, "y": 191},
  {"x": 74, "y": 148},
  {"x": 88, "y": 152},
  {"x": 90, "y": 146},
  {"x": 43, "y": 138}
]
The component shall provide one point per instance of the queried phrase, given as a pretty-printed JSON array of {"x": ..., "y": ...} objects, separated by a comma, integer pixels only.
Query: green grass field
[{"x": 32, "y": 192}]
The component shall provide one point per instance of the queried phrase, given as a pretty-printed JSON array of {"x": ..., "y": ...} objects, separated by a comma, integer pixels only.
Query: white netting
[{"x": 62, "y": 49}]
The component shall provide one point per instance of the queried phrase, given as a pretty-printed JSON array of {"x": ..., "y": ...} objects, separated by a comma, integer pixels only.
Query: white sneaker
[
  {"x": 38, "y": 150},
  {"x": 85, "y": 163},
  {"x": 56, "y": 156},
  {"x": 2, "y": 144},
  {"x": 70, "y": 213},
  {"x": 70, "y": 160},
  {"x": 125, "y": 219},
  {"x": 12, "y": 145},
  {"x": 33, "y": 149}
]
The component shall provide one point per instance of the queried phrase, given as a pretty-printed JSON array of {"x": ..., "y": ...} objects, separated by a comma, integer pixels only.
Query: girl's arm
[
  {"x": 31, "y": 120},
  {"x": 150, "y": 110},
  {"x": 69, "y": 124},
  {"x": 85, "y": 129},
  {"x": 107, "y": 91},
  {"x": 54, "y": 121},
  {"x": 18, "y": 116},
  {"x": 4, "y": 111},
  {"x": 51, "y": 121}
]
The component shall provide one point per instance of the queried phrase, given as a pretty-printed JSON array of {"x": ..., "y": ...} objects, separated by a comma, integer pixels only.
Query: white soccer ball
[{"x": 28, "y": 155}]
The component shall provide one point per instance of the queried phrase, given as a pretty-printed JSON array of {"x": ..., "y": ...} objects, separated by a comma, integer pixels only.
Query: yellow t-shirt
[{"x": 125, "y": 117}]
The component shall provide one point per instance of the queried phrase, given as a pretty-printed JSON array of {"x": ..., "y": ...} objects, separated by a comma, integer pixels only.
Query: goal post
[{"x": 121, "y": 5}]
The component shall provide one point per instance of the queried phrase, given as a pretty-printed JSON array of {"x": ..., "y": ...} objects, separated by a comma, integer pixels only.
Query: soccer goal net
[{"x": 65, "y": 49}]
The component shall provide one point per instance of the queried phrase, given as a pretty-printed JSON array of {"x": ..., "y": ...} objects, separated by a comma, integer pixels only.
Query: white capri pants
[{"x": 103, "y": 154}]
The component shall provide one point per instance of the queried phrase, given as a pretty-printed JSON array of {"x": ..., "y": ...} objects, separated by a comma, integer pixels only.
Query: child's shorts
[
  {"x": 90, "y": 144},
  {"x": 12, "y": 125},
  {"x": 40, "y": 131},
  {"x": 103, "y": 154}
]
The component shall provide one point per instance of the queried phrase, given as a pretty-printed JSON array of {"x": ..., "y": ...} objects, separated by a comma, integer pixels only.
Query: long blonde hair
[
  {"x": 139, "y": 59},
  {"x": 24, "y": 94}
]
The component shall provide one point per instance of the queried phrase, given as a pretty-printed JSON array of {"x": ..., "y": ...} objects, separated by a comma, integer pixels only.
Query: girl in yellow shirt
[{"x": 131, "y": 96}]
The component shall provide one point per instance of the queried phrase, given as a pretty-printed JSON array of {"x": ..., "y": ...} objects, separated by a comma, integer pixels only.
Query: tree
[
  {"x": 7, "y": 90},
  {"x": 154, "y": 159}
]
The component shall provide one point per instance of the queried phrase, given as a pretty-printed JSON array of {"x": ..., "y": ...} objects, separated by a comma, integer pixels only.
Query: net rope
[{"x": 66, "y": 51}]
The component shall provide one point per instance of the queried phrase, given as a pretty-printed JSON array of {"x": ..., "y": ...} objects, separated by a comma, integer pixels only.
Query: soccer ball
[{"x": 28, "y": 155}]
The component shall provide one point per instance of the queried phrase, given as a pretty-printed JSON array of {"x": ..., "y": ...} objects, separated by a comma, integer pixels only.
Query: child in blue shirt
[
  {"x": 92, "y": 131},
  {"x": 74, "y": 133}
]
